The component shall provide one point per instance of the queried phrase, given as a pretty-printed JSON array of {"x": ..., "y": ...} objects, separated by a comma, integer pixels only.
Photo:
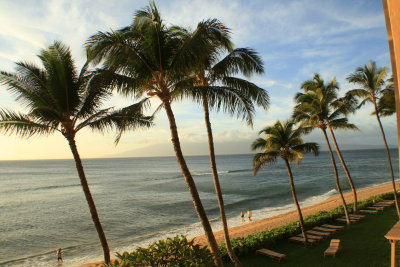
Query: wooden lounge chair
[
  {"x": 343, "y": 220},
  {"x": 272, "y": 254},
  {"x": 324, "y": 229},
  {"x": 323, "y": 234},
  {"x": 316, "y": 237},
  {"x": 334, "y": 248},
  {"x": 369, "y": 211},
  {"x": 357, "y": 216},
  {"x": 301, "y": 240},
  {"x": 376, "y": 208},
  {"x": 391, "y": 202},
  {"x": 338, "y": 227},
  {"x": 379, "y": 204}
]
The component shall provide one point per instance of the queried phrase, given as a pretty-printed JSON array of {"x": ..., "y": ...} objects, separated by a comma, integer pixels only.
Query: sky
[{"x": 294, "y": 38}]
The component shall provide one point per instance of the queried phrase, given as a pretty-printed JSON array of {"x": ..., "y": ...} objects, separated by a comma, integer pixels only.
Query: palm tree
[
  {"x": 233, "y": 95},
  {"x": 371, "y": 82},
  {"x": 318, "y": 108},
  {"x": 387, "y": 102},
  {"x": 283, "y": 140},
  {"x": 156, "y": 60},
  {"x": 60, "y": 99}
]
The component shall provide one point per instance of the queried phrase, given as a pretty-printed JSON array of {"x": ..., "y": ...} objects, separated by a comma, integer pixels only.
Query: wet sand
[{"x": 249, "y": 228}]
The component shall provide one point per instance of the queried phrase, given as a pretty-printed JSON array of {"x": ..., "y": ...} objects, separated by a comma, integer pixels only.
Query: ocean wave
[
  {"x": 220, "y": 172},
  {"x": 50, "y": 187},
  {"x": 39, "y": 259}
]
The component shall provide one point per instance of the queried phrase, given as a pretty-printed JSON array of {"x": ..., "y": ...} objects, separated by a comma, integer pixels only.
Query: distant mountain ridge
[{"x": 225, "y": 148}]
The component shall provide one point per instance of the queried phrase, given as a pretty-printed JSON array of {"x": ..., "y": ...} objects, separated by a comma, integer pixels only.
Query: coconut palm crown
[
  {"x": 387, "y": 102},
  {"x": 58, "y": 98},
  {"x": 285, "y": 141}
]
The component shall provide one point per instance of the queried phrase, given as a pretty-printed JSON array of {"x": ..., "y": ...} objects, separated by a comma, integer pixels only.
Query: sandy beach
[{"x": 249, "y": 228}]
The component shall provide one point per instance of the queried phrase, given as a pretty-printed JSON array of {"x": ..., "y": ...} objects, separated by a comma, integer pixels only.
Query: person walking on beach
[
  {"x": 242, "y": 215},
  {"x": 59, "y": 253},
  {"x": 249, "y": 214}
]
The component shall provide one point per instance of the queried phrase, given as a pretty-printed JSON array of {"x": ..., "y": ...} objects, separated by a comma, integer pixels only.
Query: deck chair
[
  {"x": 333, "y": 248},
  {"x": 369, "y": 211},
  {"x": 316, "y": 237},
  {"x": 301, "y": 240},
  {"x": 352, "y": 220},
  {"x": 318, "y": 233},
  {"x": 272, "y": 254},
  {"x": 325, "y": 229},
  {"x": 376, "y": 208},
  {"x": 337, "y": 227}
]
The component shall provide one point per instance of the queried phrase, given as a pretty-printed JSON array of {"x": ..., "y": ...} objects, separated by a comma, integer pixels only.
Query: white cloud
[{"x": 295, "y": 38}]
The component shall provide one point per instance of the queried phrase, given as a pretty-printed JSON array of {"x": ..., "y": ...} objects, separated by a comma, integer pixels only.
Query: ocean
[{"x": 141, "y": 200}]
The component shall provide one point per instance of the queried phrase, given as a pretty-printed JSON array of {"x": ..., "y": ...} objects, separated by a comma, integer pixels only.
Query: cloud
[{"x": 295, "y": 38}]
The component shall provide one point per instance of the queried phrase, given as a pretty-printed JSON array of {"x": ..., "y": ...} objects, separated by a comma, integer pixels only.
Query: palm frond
[
  {"x": 252, "y": 91},
  {"x": 23, "y": 125},
  {"x": 262, "y": 159},
  {"x": 343, "y": 124},
  {"x": 259, "y": 143},
  {"x": 245, "y": 61}
]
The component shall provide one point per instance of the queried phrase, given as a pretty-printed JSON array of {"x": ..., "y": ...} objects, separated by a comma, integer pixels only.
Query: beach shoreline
[{"x": 268, "y": 223}]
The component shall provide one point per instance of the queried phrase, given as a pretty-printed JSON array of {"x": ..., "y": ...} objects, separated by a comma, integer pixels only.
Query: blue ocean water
[{"x": 139, "y": 200}]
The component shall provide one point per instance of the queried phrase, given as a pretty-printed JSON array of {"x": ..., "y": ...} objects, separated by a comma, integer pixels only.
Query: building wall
[{"x": 392, "y": 16}]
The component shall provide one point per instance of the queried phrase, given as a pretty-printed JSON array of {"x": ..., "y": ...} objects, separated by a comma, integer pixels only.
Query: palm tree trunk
[
  {"x": 388, "y": 157},
  {"x": 292, "y": 187},
  {"x": 217, "y": 185},
  {"x": 192, "y": 186},
  {"x": 90, "y": 201},
  {"x": 346, "y": 212},
  {"x": 353, "y": 188}
]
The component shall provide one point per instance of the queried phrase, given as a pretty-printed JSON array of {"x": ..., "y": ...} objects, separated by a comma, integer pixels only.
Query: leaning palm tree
[
  {"x": 283, "y": 140},
  {"x": 59, "y": 99},
  {"x": 156, "y": 60},
  {"x": 315, "y": 109},
  {"x": 217, "y": 89},
  {"x": 371, "y": 82}
]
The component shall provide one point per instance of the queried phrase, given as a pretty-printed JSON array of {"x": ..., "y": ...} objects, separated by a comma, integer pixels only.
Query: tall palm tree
[
  {"x": 233, "y": 95},
  {"x": 60, "y": 99},
  {"x": 371, "y": 82},
  {"x": 283, "y": 140},
  {"x": 157, "y": 60},
  {"x": 317, "y": 108}
]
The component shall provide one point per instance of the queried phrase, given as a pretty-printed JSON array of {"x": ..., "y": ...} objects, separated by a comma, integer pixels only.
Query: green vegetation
[
  {"x": 177, "y": 252},
  {"x": 363, "y": 244}
]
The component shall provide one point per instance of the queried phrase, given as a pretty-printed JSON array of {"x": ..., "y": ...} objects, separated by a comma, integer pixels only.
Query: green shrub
[{"x": 174, "y": 252}]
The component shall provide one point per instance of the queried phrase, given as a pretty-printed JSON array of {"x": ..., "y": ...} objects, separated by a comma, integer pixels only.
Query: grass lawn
[{"x": 363, "y": 244}]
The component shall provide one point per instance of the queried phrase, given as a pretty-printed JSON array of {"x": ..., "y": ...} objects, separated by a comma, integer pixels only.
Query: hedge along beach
[{"x": 142, "y": 205}]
